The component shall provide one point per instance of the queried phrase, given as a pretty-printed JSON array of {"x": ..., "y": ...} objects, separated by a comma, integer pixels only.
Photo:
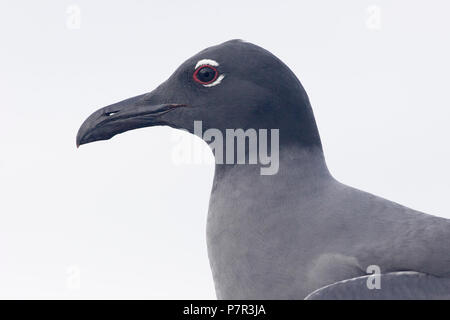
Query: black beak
[{"x": 123, "y": 116}]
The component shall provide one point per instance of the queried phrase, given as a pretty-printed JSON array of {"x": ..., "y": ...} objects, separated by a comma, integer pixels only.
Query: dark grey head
[{"x": 232, "y": 85}]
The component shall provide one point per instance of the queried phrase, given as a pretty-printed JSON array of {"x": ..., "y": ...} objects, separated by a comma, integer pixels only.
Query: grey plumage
[
  {"x": 307, "y": 231},
  {"x": 286, "y": 235}
]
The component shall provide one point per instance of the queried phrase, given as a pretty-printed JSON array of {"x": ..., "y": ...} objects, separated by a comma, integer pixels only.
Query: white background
[{"x": 120, "y": 219}]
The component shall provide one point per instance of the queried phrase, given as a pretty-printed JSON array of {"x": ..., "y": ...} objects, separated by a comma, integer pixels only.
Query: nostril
[{"x": 108, "y": 114}]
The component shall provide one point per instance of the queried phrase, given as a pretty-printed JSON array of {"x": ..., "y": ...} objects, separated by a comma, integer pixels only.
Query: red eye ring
[{"x": 195, "y": 75}]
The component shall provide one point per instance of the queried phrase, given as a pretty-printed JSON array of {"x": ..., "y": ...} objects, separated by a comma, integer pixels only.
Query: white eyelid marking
[
  {"x": 216, "y": 82},
  {"x": 206, "y": 62},
  {"x": 213, "y": 63}
]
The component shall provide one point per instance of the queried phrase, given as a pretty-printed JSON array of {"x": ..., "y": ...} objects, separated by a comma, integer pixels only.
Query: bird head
[{"x": 232, "y": 85}]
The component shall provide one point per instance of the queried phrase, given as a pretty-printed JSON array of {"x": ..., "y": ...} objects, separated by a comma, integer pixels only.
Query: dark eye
[{"x": 205, "y": 74}]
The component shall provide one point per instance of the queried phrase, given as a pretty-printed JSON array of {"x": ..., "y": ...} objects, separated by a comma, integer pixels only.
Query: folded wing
[{"x": 392, "y": 286}]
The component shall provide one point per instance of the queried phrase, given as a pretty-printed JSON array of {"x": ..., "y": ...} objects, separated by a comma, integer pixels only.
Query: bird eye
[{"x": 205, "y": 74}]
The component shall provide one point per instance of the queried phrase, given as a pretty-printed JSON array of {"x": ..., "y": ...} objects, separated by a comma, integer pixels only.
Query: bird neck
[
  {"x": 295, "y": 161},
  {"x": 290, "y": 145}
]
